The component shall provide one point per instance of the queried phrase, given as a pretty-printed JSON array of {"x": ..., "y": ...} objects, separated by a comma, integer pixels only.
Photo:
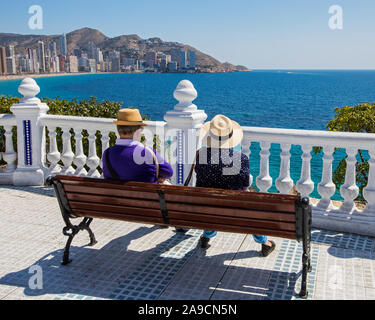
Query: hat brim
[
  {"x": 233, "y": 141},
  {"x": 129, "y": 123}
]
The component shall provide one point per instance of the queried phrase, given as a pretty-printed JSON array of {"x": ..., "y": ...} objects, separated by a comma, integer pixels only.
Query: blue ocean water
[{"x": 297, "y": 99}]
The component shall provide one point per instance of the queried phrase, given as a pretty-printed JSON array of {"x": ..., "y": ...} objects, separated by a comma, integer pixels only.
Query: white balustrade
[
  {"x": 284, "y": 183},
  {"x": 264, "y": 180}
]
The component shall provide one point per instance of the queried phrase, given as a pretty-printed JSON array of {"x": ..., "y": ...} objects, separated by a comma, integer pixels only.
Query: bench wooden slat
[
  {"x": 287, "y": 206},
  {"x": 144, "y": 212},
  {"x": 119, "y": 216},
  {"x": 206, "y": 192},
  {"x": 97, "y": 199},
  {"x": 141, "y": 204},
  {"x": 236, "y": 229}
]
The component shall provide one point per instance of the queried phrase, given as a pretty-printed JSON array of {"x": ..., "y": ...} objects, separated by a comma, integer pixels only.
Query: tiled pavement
[{"x": 135, "y": 261}]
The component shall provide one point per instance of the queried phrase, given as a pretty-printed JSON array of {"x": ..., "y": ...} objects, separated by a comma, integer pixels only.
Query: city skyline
[
  {"x": 47, "y": 58},
  {"x": 260, "y": 35}
]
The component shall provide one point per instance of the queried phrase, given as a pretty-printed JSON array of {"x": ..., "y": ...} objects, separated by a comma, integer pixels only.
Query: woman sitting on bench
[{"x": 219, "y": 166}]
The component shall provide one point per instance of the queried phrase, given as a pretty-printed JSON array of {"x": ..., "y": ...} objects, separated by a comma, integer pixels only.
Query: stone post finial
[
  {"x": 29, "y": 89},
  {"x": 185, "y": 94}
]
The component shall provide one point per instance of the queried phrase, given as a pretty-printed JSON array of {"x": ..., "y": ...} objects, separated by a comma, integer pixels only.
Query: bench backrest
[{"x": 200, "y": 208}]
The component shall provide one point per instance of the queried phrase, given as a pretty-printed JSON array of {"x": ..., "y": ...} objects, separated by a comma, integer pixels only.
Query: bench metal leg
[
  {"x": 71, "y": 231},
  {"x": 306, "y": 259}
]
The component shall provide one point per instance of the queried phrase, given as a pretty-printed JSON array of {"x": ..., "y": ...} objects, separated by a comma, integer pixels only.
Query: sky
[{"x": 260, "y": 34}]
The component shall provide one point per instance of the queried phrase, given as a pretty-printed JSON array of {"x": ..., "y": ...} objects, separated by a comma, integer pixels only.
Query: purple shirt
[{"x": 133, "y": 162}]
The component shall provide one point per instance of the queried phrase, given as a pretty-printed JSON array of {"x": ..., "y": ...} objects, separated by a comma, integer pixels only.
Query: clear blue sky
[{"x": 263, "y": 34}]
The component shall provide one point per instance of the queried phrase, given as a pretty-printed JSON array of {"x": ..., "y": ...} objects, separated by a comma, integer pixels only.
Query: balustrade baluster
[
  {"x": 305, "y": 185},
  {"x": 349, "y": 190},
  {"x": 264, "y": 180},
  {"x": 53, "y": 155},
  {"x": 93, "y": 160},
  {"x": 369, "y": 190},
  {"x": 284, "y": 183},
  {"x": 326, "y": 187},
  {"x": 105, "y": 145},
  {"x": 67, "y": 156},
  {"x": 80, "y": 158},
  {"x": 246, "y": 144},
  {"x": 9, "y": 155}
]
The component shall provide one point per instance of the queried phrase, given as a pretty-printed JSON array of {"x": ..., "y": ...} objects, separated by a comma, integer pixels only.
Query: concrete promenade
[{"x": 135, "y": 261}]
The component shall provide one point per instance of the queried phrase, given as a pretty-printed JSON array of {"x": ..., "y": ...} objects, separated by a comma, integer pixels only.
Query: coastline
[{"x": 46, "y": 75}]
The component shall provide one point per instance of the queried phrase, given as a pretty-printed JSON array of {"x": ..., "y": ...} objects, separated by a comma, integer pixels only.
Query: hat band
[{"x": 220, "y": 138}]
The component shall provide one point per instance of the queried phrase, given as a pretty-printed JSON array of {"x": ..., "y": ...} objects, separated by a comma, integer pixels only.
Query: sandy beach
[{"x": 22, "y": 76}]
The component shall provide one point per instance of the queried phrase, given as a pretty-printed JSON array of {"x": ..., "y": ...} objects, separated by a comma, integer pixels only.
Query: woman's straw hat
[
  {"x": 221, "y": 132},
  {"x": 129, "y": 117}
]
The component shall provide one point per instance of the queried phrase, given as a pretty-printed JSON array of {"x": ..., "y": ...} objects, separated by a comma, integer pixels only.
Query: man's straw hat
[
  {"x": 129, "y": 117},
  {"x": 221, "y": 132}
]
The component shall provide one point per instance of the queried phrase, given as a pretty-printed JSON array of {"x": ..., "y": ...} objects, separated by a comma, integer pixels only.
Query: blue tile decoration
[{"x": 28, "y": 146}]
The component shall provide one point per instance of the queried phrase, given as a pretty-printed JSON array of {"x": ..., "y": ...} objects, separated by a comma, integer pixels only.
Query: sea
[{"x": 295, "y": 99}]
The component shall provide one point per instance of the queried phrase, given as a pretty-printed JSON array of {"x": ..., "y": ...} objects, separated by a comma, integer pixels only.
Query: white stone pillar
[
  {"x": 305, "y": 185},
  {"x": 264, "y": 180},
  {"x": 349, "y": 190},
  {"x": 30, "y": 136},
  {"x": 184, "y": 122}
]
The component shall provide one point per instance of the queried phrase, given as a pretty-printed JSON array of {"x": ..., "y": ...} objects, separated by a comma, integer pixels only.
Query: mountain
[{"x": 131, "y": 45}]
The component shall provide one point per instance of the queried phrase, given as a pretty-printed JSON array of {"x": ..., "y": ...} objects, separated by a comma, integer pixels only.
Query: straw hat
[
  {"x": 221, "y": 132},
  {"x": 129, "y": 117}
]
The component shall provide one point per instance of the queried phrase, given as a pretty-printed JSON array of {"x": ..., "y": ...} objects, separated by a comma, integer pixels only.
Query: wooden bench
[{"x": 278, "y": 215}]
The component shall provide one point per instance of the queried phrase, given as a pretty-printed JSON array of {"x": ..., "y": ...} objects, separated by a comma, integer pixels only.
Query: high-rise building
[
  {"x": 62, "y": 63},
  {"x": 41, "y": 57},
  {"x": 52, "y": 48},
  {"x": 115, "y": 64},
  {"x": 151, "y": 58},
  {"x": 129, "y": 62},
  {"x": 3, "y": 61},
  {"x": 33, "y": 56},
  {"x": 11, "y": 65},
  {"x": 98, "y": 56},
  {"x": 91, "y": 50},
  {"x": 10, "y": 52},
  {"x": 165, "y": 59},
  {"x": 92, "y": 65},
  {"x": 191, "y": 59},
  {"x": 73, "y": 64},
  {"x": 77, "y": 52},
  {"x": 172, "y": 66},
  {"x": 183, "y": 60},
  {"x": 63, "y": 45}
]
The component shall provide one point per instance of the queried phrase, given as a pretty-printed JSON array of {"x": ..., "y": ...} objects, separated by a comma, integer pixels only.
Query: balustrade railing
[{"x": 51, "y": 144}]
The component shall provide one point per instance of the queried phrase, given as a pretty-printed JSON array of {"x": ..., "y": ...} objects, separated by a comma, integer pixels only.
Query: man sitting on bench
[{"x": 129, "y": 159}]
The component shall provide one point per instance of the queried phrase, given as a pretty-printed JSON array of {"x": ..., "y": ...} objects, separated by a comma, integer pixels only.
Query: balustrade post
[
  {"x": 349, "y": 190},
  {"x": 31, "y": 169},
  {"x": 183, "y": 124},
  {"x": 305, "y": 185},
  {"x": 9, "y": 155},
  {"x": 284, "y": 183}
]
